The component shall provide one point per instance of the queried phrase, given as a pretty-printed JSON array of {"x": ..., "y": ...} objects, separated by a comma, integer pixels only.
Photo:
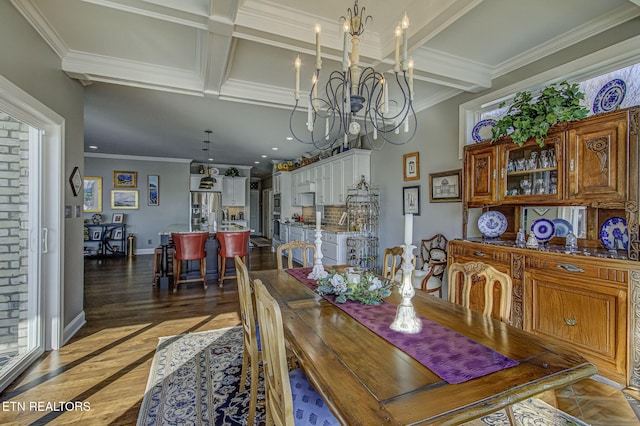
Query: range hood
[{"x": 306, "y": 188}]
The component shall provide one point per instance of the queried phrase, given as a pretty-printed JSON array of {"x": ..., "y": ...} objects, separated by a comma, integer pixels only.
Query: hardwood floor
[{"x": 103, "y": 370}]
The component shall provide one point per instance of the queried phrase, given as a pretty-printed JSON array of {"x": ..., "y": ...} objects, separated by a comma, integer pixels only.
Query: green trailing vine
[{"x": 529, "y": 117}]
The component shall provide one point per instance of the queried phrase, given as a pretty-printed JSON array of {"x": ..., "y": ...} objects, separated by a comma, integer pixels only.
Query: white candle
[
  {"x": 411, "y": 78},
  {"x": 375, "y": 133},
  {"x": 405, "y": 36},
  {"x": 297, "y": 65},
  {"x": 309, "y": 118},
  {"x": 385, "y": 94},
  {"x": 345, "y": 51},
  {"x": 314, "y": 83},
  {"x": 408, "y": 228},
  {"x": 318, "y": 220},
  {"x": 318, "y": 60},
  {"x": 326, "y": 128},
  {"x": 396, "y": 63}
]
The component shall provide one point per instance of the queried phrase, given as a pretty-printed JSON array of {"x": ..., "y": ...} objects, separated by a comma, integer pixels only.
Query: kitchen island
[{"x": 192, "y": 267}]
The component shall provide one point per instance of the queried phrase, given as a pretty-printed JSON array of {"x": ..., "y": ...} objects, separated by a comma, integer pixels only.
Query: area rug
[
  {"x": 195, "y": 380},
  {"x": 260, "y": 241}
]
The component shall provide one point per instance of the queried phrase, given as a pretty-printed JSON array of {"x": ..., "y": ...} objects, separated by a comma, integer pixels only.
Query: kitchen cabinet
[
  {"x": 597, "y": 161},
  {"x": 296, "y": 233},
  {"x": 334, "y": 248},
  {"x": 323, "y": 184},
  {"x": 234, "y": 191},
  {"x": 575, "y": 300}
]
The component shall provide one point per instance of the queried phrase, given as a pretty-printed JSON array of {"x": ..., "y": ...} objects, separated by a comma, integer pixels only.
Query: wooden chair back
[
  {"x": 308, "y": 253},
  {"x": 463, "y": 276},
  {"x": 433, "y": 251},
  {"x": 391, "y": 262},
  {"x": 277, "y": 387}
]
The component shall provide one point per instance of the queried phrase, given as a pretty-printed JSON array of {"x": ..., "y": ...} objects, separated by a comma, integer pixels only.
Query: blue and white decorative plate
[
  {"x": 492, "y": 224},
  {"x": 543, "y": 229},
  {"x": 563, "y": 227},
  {"x": 614, "y": 234},
  {"x": 610, "y": 96},
  {"x": 483, "y": 130}
]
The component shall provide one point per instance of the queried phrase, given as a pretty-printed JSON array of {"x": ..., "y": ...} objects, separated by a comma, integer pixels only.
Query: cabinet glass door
[{"x": 533, "y": 171}]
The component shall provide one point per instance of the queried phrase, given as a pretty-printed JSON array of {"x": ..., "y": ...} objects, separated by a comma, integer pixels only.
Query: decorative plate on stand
[
  {"x": 543, "y": 229},
  {"x": 492, "y": 224},
  {"x": 610, "y": 96},
  {"x": 483, "y": 130},
  {"x": 614, "y": 234},
  {"x": 563, "y": 227}
]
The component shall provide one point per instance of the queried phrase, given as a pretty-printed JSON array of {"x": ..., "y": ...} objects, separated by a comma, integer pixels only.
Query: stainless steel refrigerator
[{"x": 206, "y": 210}]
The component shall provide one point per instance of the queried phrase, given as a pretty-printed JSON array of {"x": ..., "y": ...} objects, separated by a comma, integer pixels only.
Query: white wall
[{"x": 147, "y": 221}]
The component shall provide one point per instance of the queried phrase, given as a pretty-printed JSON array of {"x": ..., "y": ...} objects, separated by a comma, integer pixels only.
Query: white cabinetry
[
  {"x": 304, "y": 186},
  {"x": 234, "y": 191},
  {"x": 346, "y": 172},
  {"x": 334, "y": 248}
]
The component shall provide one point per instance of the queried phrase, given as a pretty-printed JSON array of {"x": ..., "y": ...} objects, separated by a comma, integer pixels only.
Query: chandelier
[
  {"x": 207, "y": 181},
  {"x": 356, "y": 100}
]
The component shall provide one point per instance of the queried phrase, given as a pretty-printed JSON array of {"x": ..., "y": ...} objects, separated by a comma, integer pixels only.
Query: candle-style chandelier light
[{"x": 357, "y": 100}]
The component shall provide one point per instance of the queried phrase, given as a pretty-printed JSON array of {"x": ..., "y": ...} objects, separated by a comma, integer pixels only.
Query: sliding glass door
[{"x": 21, "y": 319}]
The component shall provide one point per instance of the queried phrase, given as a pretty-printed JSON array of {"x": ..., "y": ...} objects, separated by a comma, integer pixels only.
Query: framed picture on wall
[
  {"x": 153, "y": 190},
  {"x": 124, "y": 179},
  {"x": 124, "y": 199},
  {"x": 411, "y": 200},
  {"x": 446, "y": 186},
  {"x": 411, "y": 164},
  {"x": 92, "y": 194}
]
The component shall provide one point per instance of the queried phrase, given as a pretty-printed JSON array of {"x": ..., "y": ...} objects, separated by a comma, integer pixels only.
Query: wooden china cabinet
[{"x": 588, "y": 299}]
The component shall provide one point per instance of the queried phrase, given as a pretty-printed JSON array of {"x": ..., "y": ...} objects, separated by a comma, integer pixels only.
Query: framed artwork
[
  {"x": 124, "y": 179},
  {"x": 76, "y": 181},
  {"x": 411, "y": 165},
  {"x": 446, "y": 186},
  {"x": 92, "y": 194},
  {"x": 96, "y": 234},
  {"x": 153, "y": 190},
  {"x": 411, "y": 200},
  {"x": 117, "y": 234},
  {"x": 117, "y": 218},
  {"x": 124, "y": 199}
]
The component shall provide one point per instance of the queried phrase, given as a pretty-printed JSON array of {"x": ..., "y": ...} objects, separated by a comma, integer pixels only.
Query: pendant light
[{"x": 208, "y": 181}]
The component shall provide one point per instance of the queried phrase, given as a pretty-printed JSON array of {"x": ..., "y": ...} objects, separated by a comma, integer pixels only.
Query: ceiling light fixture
[
  {"x": 358, "y": 95},
  {"x": 207, "y": 181}
]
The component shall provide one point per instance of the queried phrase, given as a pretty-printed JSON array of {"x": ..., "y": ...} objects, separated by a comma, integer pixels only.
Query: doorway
[{"x": 31, "y": 278}]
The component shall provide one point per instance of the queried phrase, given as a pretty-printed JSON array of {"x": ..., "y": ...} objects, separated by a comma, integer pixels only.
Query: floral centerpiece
[{"x": 366, "y": 288}]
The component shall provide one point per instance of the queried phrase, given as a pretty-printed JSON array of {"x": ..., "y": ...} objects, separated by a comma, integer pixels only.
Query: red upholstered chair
[
  {"x": 189, "y": 246},
  {"x": 231, "y": 244}
]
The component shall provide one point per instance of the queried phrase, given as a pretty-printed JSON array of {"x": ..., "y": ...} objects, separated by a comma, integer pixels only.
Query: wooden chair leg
[
  {"x": 222, "y": 271},
  {"x": 203, "y": 272},
  {"x": 253, "y": 393},
  {"x": 510, "y": 416},
  {"x": 243, "y": 372},
  {"x": 176, "y": 275}
]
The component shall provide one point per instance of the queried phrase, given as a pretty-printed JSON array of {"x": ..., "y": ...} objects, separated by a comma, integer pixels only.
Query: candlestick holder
[
  {"x": 406, "y": 320},
  {"x": 318, "y": 271}
]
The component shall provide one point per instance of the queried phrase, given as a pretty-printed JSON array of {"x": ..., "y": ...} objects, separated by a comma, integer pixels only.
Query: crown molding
[
  {"x": 602, "y": 23},
  {"x": 137, "y": 157},
  {"x": 32, "y": 14}
]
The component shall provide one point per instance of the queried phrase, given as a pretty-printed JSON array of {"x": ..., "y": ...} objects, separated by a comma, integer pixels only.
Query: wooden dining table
[{"x": 368, "y": 381}]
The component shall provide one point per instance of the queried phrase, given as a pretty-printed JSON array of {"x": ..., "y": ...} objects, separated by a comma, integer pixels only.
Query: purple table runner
[{"x": 453, "y": 357}]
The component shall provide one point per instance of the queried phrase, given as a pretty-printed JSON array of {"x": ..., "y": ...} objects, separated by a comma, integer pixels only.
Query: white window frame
[{"x": 609, "y": 59}]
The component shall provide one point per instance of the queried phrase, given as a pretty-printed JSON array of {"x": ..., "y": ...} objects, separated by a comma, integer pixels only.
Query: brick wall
[{"x": 14, "y": 191}]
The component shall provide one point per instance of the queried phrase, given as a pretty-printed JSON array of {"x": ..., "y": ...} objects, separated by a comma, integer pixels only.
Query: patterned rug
[
  {"x": 260, "y": 241},
  {"x": 194, "y": 380}
]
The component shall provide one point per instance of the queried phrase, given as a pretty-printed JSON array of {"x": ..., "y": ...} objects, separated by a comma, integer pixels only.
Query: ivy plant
[{"x": 532, "y": 117}]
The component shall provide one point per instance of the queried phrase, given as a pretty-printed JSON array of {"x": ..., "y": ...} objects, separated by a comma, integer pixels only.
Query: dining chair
[
  {"x": 232, "y": 244},
  {"x": 252, "y": 350},
  {"x": 460, "y": 291},
  {"x": 290, "y": 247},
  {"x": 391, "y": 262},
  {"x": 433, "y": 260},
  {"x": 286, "y": 392},
  {"x": 189, "y": 246}
]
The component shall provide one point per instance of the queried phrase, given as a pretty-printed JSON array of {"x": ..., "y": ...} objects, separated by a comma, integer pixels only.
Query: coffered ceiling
[{"x": 158, "y": 73}]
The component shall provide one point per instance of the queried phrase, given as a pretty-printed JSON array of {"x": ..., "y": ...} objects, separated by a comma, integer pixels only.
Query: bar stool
[
  {"x": 157, "y": 262},
  {"x": 190, "y": 246},
  {"x": 231, "y": 244}
]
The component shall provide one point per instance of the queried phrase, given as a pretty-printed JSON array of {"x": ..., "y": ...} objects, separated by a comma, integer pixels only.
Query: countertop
[
  {"x": 183, "y": 228},
  {"x": 325, "y": 228}
]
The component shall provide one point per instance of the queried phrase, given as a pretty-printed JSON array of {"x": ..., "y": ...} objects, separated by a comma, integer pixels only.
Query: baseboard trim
[{"x": 72, "y": 328}]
